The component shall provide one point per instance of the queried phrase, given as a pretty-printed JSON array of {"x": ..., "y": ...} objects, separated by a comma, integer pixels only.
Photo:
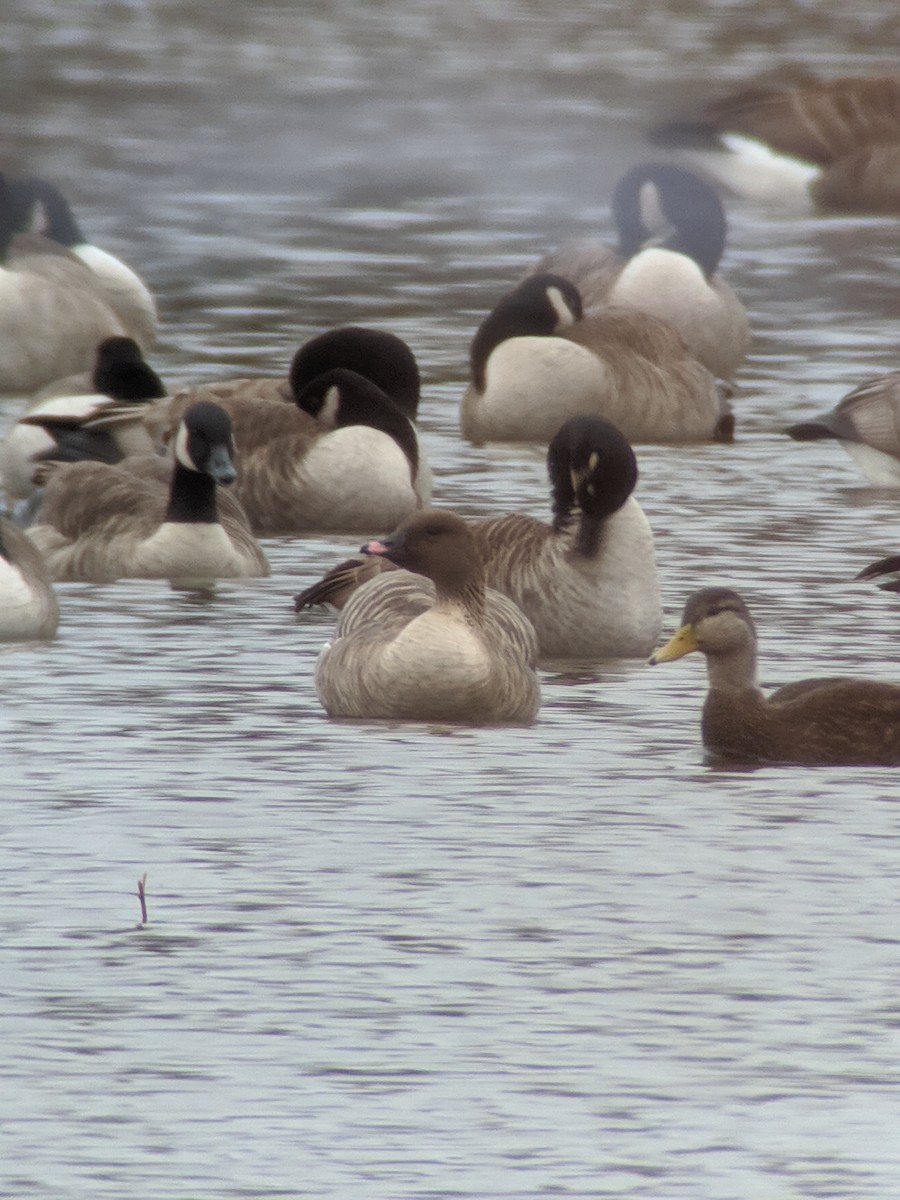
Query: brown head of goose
[
  {"x": 438, "y": 648},
  {"x": 835, "y": 720},
  {"x": 537, "y": 359},
  {"x": 671, "y": 235},
  {"x": 143, "y": 518}
]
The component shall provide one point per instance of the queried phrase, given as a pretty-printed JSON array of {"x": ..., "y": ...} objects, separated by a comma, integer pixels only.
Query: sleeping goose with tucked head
[
  {"x": 43, "y": 209},
  {"x": 865, "y": 423},
  {"x": 52, "y": 309},
  {"x": 145, "y": 519},
  {"x": 835, "y": 721},
  {"x": 439, "y": 648},
  {"x": 343, "y": 457},
  {"x": 538, "y": 359},
  {"x": 833, "y": 144},
  {"x": 381, "y": 357},
  {"x": 671, "y": 227},
  {"x": 28, "y": 607},
  {"x": 587, "y": 582},
  {"x": 105, "y": 423}
]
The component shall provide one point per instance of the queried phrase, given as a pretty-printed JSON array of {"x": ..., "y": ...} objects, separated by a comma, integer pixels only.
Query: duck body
[
  {"x": 833, "y": 144},
  {"x": 446, "y": 649},
  {"x": 537, "y": 360},
  {"x": 587, "y": 582},
  {"x": 145, "y": 518},
  {"x": 671, "y": 235},
  {"x": 866, "y": 424},
  {"x": 833, "y": 721},
  {"x": 29, "y": 610}
]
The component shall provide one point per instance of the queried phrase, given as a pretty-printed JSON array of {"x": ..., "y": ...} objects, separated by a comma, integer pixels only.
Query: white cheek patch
[
  {"x": 564, "y": 314},
  {"x": 653, "y": 218},
  {"x": 182, "y": 454},
  {"x": 328, "y": 413}
]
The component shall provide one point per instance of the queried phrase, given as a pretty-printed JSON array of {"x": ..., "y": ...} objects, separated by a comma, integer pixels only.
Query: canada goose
[
  {"x": 105, "y": 424},
  {"x": 835, "y": 143},
  {"x": 28, "y": 605},
  {"x": 41, "y": 208},
  {"x": 143, "y": 518},
  {"x": 866, "y": 423},
  {"x": 52, "y": 311},
  {"x": 671, "y": 227},
  {"x": 343, "y": 457},
  {"x": 587, "y": 582},
  {"x": 381, "y": 357},
  {"x": 837, "y": 721},
  {"x": 538, "y": 359},
  {"x": 445, "y": 650}
]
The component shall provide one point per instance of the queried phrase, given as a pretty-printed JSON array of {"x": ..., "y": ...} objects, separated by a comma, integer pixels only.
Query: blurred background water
[{"x": 393, "y": 961}]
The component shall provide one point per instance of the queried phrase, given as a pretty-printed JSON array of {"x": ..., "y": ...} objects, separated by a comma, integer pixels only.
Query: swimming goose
[
  {"x": 144, "y": 518},
  {"x": 671, "y": 227},
  {"x": 41, "y": 208},
  {"x": 52, "y": 311},
  {"x": 836, "y": 721},
  {"x": 28, "y": 605},
  {"x": 833, "y": 143},
  {"x": 443, "y": 648},
  {"x": 105, "y": 424},
  {"x": 538, "y": 359},
  {"x": 343, "y": 457},
  {"x": 866, "y": 423},
  {"x": 587, "y": 582}
]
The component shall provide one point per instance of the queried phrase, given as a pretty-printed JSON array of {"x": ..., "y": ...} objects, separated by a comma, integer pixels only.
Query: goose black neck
[{"x": 192, "y": 497}]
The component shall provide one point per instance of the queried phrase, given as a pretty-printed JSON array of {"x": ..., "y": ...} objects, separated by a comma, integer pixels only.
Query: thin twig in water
[{"x": 142, "y": 896}]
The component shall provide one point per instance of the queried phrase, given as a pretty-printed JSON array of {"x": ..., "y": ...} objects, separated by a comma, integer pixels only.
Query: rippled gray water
[{"x": 393, "y": 961}]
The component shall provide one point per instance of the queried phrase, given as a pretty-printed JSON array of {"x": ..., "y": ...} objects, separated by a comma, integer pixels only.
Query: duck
[
  {"x": 866, "y": 424},
  {"x": 831, "y": 145},
  {"x": 340, "y": 458},
  {"x": 441, "y": 648},
  {"x": 42, "y": 208},
  {"x": 29, "y": 610},
  {"x": 52, "y": 309},
  {"x": 836, "y": 721},
  {"x": 538, "y": 359},
  {"x": 671, "y": 235},
  {"x": 144, "y": 518},
  {"x": 587, "y": 582},
  {"x": 104, "y": 423}
]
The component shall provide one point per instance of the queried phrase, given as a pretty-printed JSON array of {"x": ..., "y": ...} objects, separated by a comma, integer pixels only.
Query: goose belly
[
  {"x": 881, "y": 470},
  {"x": 532, "y": 385},
  {"x": 671, "y": 286},
  {"x": 185, "y": 550},
  {"x": 24, "y": 612},
  {"x": 355, "y": 478}
]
